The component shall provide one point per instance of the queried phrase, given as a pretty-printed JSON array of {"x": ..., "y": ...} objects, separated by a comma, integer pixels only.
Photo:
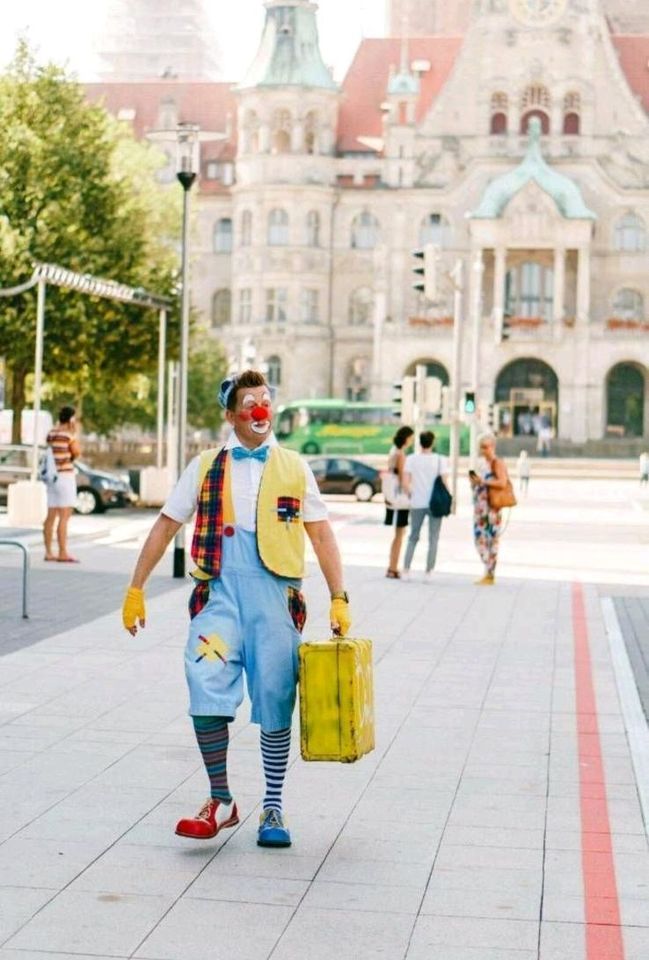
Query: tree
[
  {"x": 76, "y": 189},
  {"x": 207, "y": 368}
]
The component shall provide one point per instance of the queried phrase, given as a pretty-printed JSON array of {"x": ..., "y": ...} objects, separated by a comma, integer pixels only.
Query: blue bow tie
[{"x": 259, "y": 453}]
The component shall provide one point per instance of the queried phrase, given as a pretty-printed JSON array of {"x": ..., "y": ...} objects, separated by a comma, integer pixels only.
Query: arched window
[
  {"x": 571, "y": 114},
  {"x": 313, "y": 228},
  {"x": 310, "y": 132},
  {"x": 361, "y": 305},
  {"x": 536, "y": 102},
  {"x": 358, "y": 379},
  {"x": 499, "y": 106},
  {"x": 277, "y": 228},
  {"x": 628, "y": 305},
  {"x": 630, "y": 234},
  {"x": 250, "y": 132},
  {"x": 221, "y": 308},
  {"x": 274, "y": 371},
  {"x": 529, "y": 291},
  {"x": 434, "y": 229},
  {"x": 282, "y": 128},
  {"x": 625, "y": 393},
  {"x": 222, "y": 238},
  {"x": 246, "y": 228},
  {"x": 365, "y": 231}
]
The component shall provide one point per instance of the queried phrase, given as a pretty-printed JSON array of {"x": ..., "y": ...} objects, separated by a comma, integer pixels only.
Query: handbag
[
  {"x": 441, "y": 501},
  {"x": 393, "y": 495},
  {"x": 501, "y": 498}
]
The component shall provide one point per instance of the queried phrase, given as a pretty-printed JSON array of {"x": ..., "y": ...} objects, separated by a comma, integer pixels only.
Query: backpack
[
  {"x": 47, "y": 472},
  {"x": 441, "y": 501}
]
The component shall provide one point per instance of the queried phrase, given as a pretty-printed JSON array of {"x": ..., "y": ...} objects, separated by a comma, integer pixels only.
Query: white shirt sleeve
[
  {"x": 443, "y": 466},
  {"x": 408, "y": 466},
  {"x": 314, "y": 506},
  {"x": 182, "y": 501}
]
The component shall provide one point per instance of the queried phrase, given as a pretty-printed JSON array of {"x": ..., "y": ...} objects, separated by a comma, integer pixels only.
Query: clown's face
[{"x": 252, "y": 417}]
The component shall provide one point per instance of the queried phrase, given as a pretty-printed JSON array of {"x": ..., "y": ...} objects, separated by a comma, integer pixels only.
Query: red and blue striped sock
[{"x": 213, "y": 736}]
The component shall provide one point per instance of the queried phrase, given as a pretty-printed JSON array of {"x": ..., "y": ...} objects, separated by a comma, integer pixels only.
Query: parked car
[
  {"x": 96, "y": 489},
  {"x": 342, "y": 475}
]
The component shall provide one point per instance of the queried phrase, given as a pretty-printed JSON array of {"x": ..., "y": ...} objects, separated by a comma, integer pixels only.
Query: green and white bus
[{"x": 341, "y": 426}]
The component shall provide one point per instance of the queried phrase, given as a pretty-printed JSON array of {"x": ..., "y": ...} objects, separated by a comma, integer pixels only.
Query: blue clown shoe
[{"x": 272, "y": 832}]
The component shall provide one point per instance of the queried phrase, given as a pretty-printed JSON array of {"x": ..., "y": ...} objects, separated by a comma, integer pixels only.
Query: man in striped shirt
[{"x": 62, "y": 492}]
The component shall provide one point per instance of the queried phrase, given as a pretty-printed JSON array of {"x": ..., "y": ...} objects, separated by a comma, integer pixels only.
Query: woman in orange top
[{"x": 62, "y": 492}]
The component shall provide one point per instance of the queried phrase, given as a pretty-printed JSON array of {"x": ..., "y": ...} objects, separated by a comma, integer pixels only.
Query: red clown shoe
[{"x": 205, "y": 825}]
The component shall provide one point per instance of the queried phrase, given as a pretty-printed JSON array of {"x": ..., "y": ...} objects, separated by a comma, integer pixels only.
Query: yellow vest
[{"x": 280, "y": 542}]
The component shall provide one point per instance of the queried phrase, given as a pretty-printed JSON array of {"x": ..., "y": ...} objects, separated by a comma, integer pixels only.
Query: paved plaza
[{"x": 499, "y": 818}]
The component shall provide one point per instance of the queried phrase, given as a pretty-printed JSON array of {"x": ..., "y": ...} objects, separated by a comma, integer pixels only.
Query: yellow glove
[
  {"x": 339, "y": 616},
  {"x": 133, "y": 609}
]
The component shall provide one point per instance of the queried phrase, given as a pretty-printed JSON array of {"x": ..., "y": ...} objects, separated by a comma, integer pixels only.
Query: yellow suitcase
[{"x": 336, "y": 699}]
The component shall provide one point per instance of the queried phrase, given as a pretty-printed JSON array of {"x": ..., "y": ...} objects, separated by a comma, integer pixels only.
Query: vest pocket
[{"x": 297, "y": 608}]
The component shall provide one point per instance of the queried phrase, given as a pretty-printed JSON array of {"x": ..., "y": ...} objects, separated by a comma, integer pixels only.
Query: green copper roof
[
  {"x": 564, "y": 191},
  {"x": 403, "y": 83},
  {"x": 289, "y": 52}
]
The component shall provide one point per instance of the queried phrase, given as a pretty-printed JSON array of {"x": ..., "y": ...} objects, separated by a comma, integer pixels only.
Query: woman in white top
[
  {"x": 397, "y": 517},
  {"x": 421, "y": 472}
]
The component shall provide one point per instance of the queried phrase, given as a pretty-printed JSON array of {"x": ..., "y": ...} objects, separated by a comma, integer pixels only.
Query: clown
[{"x": 254, "y": 502}]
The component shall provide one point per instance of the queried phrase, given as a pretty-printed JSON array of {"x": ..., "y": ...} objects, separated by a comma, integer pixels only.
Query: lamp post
[{"x": 187, "y": 141}]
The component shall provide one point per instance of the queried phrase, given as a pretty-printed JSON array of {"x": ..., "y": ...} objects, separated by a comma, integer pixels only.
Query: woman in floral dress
[{"x": 486, "y": 521}]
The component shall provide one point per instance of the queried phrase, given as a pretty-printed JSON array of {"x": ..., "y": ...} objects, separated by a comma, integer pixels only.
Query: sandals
[{"x": 393, "y": 575}]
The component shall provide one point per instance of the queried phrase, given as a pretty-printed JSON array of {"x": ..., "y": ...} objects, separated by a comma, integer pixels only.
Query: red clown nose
[{"x": 259, "y": 414}]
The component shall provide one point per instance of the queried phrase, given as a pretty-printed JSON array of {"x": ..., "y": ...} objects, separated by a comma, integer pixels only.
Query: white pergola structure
[{"x": 48, "y": 273}]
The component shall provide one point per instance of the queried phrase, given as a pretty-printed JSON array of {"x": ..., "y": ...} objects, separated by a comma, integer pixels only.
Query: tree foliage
[{"x": 76, "y": 189}]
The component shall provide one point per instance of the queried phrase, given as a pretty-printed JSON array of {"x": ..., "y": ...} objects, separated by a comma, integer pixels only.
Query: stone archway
[
  {"x": 433, "y": 369},
  {"x": 527, "y": 394},
  {"x": 625, "y": 400}
]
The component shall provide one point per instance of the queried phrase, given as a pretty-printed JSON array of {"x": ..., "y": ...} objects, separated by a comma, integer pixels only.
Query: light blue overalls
[{"x": 249, "y": 609}]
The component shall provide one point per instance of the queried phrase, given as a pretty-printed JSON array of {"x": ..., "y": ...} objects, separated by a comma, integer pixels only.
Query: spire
[
  {"x": 564, "y": 191},
  {"x": 404, "y": 82},
  {"x": 289, "y": 52}
]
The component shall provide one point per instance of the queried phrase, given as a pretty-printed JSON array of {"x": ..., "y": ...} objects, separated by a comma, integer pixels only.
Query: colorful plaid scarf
[{"x": 208, "y": 530}]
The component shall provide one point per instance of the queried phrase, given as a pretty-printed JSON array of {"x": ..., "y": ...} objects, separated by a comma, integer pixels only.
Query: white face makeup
[{"x": 253, "y": 416}]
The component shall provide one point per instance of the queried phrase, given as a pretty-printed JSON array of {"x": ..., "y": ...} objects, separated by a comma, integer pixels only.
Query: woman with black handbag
[
  {"x": 396, "y": 499},
  {"x": 492, "y": 490}
]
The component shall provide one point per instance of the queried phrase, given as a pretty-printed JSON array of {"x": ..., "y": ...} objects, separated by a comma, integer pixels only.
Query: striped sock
[
  {"x": 213, "y": 736},
  {"x": 274, "y": 753}
]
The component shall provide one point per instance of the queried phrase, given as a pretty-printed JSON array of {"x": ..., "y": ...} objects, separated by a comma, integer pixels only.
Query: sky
[{"x": 65, "y": 30}]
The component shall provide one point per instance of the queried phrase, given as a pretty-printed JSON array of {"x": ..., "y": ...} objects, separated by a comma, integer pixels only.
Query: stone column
[
  {"x": 499, "y": 291},
  {"x": 559, "y": 290},
  {"x": 583, "y": 285}
]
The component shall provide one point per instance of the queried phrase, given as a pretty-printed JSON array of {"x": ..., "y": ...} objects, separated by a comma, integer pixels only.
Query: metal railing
[{"x": 23, "y": 548}]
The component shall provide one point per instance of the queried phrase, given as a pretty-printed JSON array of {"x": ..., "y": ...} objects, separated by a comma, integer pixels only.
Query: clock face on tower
[{"x": 537, "y": 13}]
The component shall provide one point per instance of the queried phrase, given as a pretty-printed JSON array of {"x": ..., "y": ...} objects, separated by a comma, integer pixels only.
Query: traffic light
[
  {"x": 426, "y": 271},
  {"x": 505, "y": 330},
  {"x": 397, "y": 394},
  {"x": 469, "y": 402},
  {"x": 403, "y": 399}
]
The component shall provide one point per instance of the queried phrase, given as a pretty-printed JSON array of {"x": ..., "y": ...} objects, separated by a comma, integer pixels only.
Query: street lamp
[{"x": 187, "y": 143}]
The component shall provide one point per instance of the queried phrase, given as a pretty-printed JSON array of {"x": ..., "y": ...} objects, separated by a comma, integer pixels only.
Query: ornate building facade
[{"x": 520, "y": 149}]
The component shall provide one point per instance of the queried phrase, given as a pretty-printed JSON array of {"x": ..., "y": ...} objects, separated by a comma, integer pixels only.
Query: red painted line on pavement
[{"x": 601, "y": 903}]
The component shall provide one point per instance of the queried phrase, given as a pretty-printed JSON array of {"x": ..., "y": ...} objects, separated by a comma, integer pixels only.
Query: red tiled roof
[
  {"x": 364, "y": 87},
  {"x": 211, "y": 105},
  {"x": 633, "y": 52}
]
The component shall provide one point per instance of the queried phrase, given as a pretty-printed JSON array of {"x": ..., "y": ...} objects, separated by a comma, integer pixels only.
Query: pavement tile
[
  {"x": 314, "y": 934},
  {"x": 375, "y": 871},
  {"x": 18, "y": 905},
  {"x": 26, "y": 862},
  {"x": 515, "y": 903},
  {"x": 273, "y": 890},
  {"x": 511, "y": 837},
  {"x": 468, "y": 953},
  {"x": 477, "y": 933},
  {"x": 211, "y": 930},
  {"x": 43, "y": 955},
  {"x": 375, "y": 897},
  {"x": 83, "y": 922}
]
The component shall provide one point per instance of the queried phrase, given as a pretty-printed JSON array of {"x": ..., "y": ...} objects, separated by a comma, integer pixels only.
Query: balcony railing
[{"x": 624, "y": 323}]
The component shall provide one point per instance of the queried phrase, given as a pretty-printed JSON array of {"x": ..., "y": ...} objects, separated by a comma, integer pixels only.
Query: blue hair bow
[{"x": 225, "y": 390}]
